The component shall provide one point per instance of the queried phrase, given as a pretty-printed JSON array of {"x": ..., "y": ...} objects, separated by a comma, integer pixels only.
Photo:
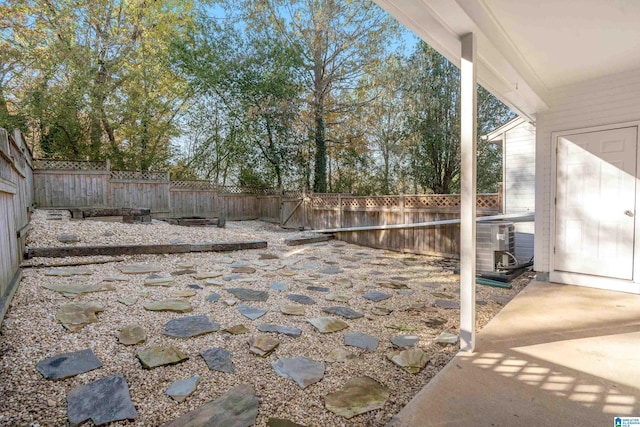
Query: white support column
[{"x": 468, "y": 152}]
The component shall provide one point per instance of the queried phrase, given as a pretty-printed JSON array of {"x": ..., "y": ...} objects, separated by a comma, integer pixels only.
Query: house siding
[
  {"x": 604, "y": 101},
  {"x": 519, "y": 183}
]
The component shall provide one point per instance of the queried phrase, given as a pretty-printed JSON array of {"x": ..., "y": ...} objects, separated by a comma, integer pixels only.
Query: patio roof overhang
[
  {"x": 526, "y": 49},
  {"x": 520, "y": 51}
]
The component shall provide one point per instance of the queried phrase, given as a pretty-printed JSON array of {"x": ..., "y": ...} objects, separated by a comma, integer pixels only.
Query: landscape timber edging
[{"x": 68, "y": 251}]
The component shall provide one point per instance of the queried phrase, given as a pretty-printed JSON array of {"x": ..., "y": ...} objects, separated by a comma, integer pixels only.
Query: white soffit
[{"x": 526, "y": 48}]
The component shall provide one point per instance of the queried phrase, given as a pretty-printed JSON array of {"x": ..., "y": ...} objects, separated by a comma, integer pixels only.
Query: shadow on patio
[{"x": 554, "y": 354}]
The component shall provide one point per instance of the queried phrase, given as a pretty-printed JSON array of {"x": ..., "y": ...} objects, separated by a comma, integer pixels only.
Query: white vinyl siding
[
  {"x": 519, "y": 146},
  {"x": 604, "y": 101}
]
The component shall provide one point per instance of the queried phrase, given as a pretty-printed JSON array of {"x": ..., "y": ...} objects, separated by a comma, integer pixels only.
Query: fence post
[
  {"x": 339, "y": 210},
  {"x": 403, "y": 221},
  {"x": 108, "y": 164},
  {"x": 304, "y": 207},
  {"x": 281, "y": 213}
]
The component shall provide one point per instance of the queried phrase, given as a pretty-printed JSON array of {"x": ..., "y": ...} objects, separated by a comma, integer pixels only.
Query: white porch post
[{"x": 468, "y": 152}]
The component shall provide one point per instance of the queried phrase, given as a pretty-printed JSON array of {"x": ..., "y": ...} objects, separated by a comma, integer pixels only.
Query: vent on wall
[{"x": 495, "y": 244}]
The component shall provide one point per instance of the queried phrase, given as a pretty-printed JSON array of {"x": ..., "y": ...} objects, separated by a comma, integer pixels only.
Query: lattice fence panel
[
  {"x": 139, "y": 175},
  {"x": 432, "y": 201},
  {"x": 193, "y": 184},
  {"x": 383, "y": 202},
  {"x": 488, "y": 201},
  {"x": 73, "y": 165},
  {"x": 238, "y": 189},
  {"x": 324, "y": 201}
]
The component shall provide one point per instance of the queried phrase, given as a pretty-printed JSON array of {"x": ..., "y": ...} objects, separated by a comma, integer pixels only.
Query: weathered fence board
[
  {"x": 16, "y": 198},
  {"x": 269, "y": 208}
]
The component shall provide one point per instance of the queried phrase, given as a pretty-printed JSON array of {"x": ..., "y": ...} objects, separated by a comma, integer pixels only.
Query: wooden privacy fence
[
  {"x": 344, "y": 211},
  {"x": 67, "y": 184},
  {"x": 16, "y": 195},
  {"x": 78, "y": 184}
]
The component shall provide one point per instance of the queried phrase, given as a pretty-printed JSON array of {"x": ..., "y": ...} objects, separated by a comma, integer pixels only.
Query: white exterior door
[{"x": 596, "y": 203}]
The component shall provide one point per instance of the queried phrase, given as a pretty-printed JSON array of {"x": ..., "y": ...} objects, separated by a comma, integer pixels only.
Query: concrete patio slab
[{"x": 554, "y": 354}]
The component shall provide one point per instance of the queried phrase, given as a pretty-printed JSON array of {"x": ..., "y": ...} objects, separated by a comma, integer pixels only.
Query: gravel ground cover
[{"x": 331, "y": 274}]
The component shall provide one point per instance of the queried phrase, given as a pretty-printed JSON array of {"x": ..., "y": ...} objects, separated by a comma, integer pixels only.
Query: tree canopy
[{"x": 324, "y": 94}]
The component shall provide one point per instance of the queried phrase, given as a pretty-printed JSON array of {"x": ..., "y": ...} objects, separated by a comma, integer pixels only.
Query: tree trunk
[{"x": 320, "y": 168}]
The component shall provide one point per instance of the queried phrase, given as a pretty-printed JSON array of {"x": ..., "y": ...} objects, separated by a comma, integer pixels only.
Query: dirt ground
[{"x": 416, "y": 285}]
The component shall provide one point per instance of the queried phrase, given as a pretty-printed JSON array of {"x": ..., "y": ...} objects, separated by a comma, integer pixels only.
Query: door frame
[{"x": 631, "y": 286}]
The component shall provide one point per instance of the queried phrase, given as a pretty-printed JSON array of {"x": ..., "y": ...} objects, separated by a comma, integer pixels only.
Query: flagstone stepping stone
[
  {"x": 103, "y": 401},
  {"x": 239, "y": 264},
  {"x": 337, "y": 298},
  {"x": 278, "y": 286},
  {"x": 281, "y": 422},
  {"x": 68, "y": 238},
  {"x": 481, "y": 302},
  {"x": 160, "y": 281},
  {"x": 218, "y": 359},
  {"x": 266, "y": 256},
  {"x": 72, "y": 289},
  {"x": 244, "y": 294},
  {"x": 236, "y": 408},
  {"x": 351, "y": 258},
  {"x": 211, "y": 282},
  {"x": 446, "y": 304},
  {"x": 183, "y": 272},
  {"x": 194, "y": 287},
  {"x": 446, "y": 338},
  {"x": 381, "y": 311},
  {"x": 301, "y": 299},
  {"x": 302, "y": 370},
  {"x": 128, "y": 301},
  {"x": 262, "y": 345},
  {"x": 184, "y": 293},
  {"x": 143, "y": 294},
  {"x": 213, "y": 297},
  {"x": 376, "y": 296},
  {"x": 139, "y": 269},
  {"x": 115, "y": 278},
  {"x": 412, "y": 360},
  {"x": 400, "y": 327},
  {"x": 405, "y": 292},
  {"x": 153, "y": 357},
  {"x": 154, "y": 276},
  {"x": 230, "y": 302},
  {"x": 330, "y": 270},
  {"x": 500, "y": 299},
  {"x": 185, "y": 264},
  {"x": 207, "y": 275},
  {"x": 77, "y": 315},
  {"x": 318, "y": 288},
  {"x": 287, "y": 273},
  {"x": 345, "y": 282},
  {"x": 176, "y": 305},
  {"x": 361, "y": 340},
  {"x": 190, "y": 326},
  {"x": 236, "y": 330},
  {"x": 359, "y": 395},
  {"x": 132, "y": 334},
  {"x": 272, "y": 267},
  {"x": 251, "y": 312},
  {"x": 243, "y": 270},
  {"x": 404, "y": 341},
  {"x": 65, "y": 365},
  {"x": 392, "y": 285},
  {"x": 345, "y": 312},
  {"x": 68, "y": 271},
  {"x": 328, "y": 324},
  {"x": 399, "y": 278},
  {"x": 441, "y": 295},
  {"x": 292, "y": 310},
  {"x": 339, "y": 355},
  {"x": 224, "y": 260},
  {"x": 285, "y": 330},
  {"x": 181, "y": 389},
  {"x": 247, "y": 280},
  {"x": 435, "y": 322},
  {"x": 231, "y": 277}
]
